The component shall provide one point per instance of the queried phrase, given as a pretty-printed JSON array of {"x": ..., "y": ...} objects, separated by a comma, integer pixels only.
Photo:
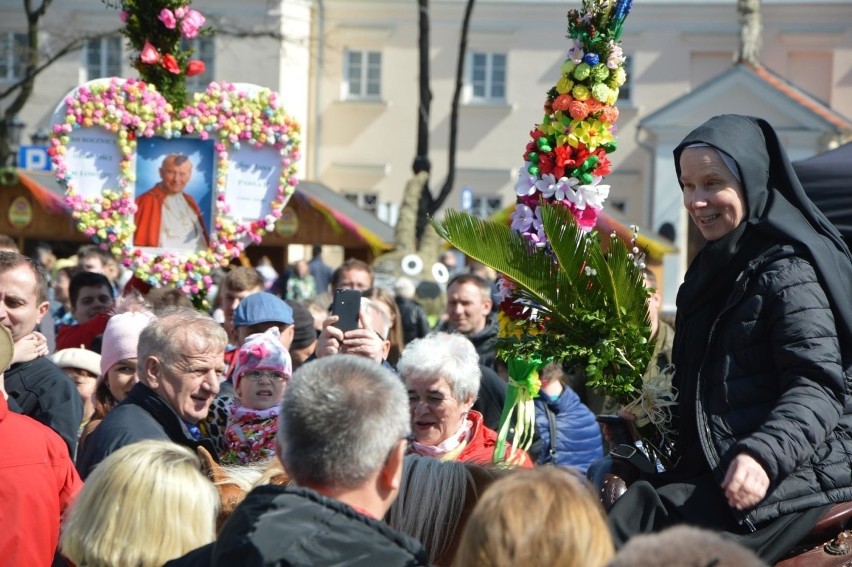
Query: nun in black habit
[{"x": 762, "y": 352}]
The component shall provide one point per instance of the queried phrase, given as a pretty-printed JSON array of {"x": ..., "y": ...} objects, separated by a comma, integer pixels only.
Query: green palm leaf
[{"x": 591, "y": 303}]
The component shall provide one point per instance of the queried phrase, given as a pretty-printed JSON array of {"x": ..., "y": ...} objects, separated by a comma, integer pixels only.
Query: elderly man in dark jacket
[
  {"x": 343, "y": 432},
  {"x": 181, "y": 362}
]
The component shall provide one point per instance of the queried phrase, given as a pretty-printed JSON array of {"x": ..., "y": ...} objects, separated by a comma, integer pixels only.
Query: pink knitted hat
[
  {"x": 121, "y": 337},
  {"x": 263, "y": 351}
]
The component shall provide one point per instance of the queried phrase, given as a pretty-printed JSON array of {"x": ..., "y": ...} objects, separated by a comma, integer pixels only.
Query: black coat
[
  {"x": 772, "y": 384},
  {"x": 142, "y": 415},
  {"x": 277, "y": 525},
  {"x": 41, "y": 390}
]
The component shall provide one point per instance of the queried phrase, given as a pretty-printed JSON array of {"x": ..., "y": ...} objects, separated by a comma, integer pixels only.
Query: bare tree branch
[
  {"x": 46, "y": 61},
  {"x": 438, "y": 201}
]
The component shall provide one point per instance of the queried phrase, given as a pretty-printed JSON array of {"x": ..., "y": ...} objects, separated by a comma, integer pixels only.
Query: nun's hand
[{"x": 746, "y": 482}]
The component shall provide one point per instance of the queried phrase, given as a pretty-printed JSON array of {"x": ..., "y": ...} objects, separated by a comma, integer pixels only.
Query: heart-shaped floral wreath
[{"x": 131, "y": 109}]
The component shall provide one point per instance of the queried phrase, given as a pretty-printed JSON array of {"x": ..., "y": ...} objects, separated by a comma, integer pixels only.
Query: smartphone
[{"x": 347, "y": 305}]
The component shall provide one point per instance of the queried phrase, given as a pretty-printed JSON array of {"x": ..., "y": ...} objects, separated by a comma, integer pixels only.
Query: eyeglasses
[{"x": 271, "y": 375}]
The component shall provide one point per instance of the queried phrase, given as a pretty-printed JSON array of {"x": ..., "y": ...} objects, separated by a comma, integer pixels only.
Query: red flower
[
  {"x": 603, "y": 168},
  {"x": 195, "y": 67},
  {"x": 545, "y": 162},
  {"x": 170, "y": 64}
]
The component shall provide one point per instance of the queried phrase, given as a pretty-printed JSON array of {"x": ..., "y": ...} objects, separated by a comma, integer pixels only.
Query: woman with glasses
[
  {"x": 260, "y": 377},
  {"x": 441, "y": 373}
]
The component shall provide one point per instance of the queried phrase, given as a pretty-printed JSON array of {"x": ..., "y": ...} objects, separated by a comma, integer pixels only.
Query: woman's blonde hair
[
  {"x": 143, "y": 505},
  {"x": 544, "y": 516}
]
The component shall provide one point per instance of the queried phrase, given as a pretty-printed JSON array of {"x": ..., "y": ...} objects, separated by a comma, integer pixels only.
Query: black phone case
[{"x": 347, "y": 305}]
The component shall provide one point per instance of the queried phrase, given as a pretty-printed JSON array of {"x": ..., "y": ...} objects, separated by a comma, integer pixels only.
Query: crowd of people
[{"x": 127, "y": 413}]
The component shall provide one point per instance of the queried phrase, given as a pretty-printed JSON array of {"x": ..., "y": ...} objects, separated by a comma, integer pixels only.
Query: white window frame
[
  {"x": 366, "y": 200},
  {"x": 13, "y": 63},
  {"x": 204, "y": 49},
  {"x": 485, "y": 206},
  {"x": 487, "y": 88},
  {"x": 368, "y": 60},
  {"x": 106, "y": 45}
]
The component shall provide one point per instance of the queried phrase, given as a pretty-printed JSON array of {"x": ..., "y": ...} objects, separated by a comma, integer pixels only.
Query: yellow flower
[{"x": 592, "y": 133}]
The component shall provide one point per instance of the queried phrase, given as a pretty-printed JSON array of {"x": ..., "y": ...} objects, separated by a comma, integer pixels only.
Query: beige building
[{"x": 348, "y": 71}]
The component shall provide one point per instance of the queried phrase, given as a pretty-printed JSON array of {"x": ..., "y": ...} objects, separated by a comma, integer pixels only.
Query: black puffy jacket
[
  {"x": 772, "y": 384},
  {"x": 280, "y": 525}
]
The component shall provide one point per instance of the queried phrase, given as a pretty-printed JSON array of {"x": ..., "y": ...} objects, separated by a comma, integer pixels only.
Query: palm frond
[
  {"x": 502, "y": 249},
  {"x": 585, "y": 305}
]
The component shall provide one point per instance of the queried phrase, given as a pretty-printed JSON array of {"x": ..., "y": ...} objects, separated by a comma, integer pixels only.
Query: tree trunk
[{"x": 750, "y": 31}]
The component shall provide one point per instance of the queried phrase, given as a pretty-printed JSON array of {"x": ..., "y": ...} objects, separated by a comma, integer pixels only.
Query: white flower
[
  {"x": 616, "y": 56},
  {"x": 565, "y": 189},
  {"x": 526, "y": 181},
  {"x": 547, "y": 185},
  {"x": 592, "y": 194},
  {"x": 522, "y": 218}
]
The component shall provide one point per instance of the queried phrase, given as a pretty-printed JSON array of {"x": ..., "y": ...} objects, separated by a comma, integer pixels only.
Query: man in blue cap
[{"x": 260, "y": 311}]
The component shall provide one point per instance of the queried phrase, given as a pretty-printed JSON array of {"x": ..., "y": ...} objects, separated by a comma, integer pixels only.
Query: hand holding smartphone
[{"x": 347, "y": 306}]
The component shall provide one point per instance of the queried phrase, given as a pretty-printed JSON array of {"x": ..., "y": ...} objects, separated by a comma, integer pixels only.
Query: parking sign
[{"x": 34, "y": 158}]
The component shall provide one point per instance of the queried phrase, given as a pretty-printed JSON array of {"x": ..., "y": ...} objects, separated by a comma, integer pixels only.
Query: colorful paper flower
[
  {"x": 170, "y": 64},
  {"x": 195, "y": 67},
  {"x": 191, "y": 23},
  {"x": 168, "y": 18},
  {"x": 149, "y": 54}
]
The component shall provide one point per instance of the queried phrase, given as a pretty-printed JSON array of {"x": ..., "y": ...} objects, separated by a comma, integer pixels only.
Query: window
[
  {"x": 487, "y": 77},
  {"x": 13, "y": 49},
  {"x": 103, "y": 57},
  {"x": 204, "y": 49},
  {"x": 624, "y": 94},
  {"x": 485, "y": 207},
  {"x": 367, "y": 201},
  {"x": 362, "y": 74}
]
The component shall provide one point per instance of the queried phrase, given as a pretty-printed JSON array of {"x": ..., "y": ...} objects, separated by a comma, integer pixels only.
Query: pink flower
[
  {"x": 180, "y": 12},
  {"x": 149, "y": 54},
  {"x": 122, "y": 16},
  {"x": 168, "y": 18},
  {"x": 191, "y": 23}
]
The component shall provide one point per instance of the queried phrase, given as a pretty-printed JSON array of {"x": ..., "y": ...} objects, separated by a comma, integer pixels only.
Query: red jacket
[
  {"x": 82, "y": 335},
  {"x": 480, "y": 447},
  {"x": 37, "y": 483},
  {"x": 149, "y": 206}
]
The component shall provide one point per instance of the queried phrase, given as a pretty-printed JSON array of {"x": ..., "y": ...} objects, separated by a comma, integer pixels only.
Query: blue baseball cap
[{"x": 262, "y": 307}]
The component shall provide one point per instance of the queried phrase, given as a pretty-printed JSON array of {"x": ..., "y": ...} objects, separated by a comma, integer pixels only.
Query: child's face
[{"x": 262, "y": 389}]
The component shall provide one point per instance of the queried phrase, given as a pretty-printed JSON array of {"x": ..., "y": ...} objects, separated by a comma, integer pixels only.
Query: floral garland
[{"x": 132, "y": 109}]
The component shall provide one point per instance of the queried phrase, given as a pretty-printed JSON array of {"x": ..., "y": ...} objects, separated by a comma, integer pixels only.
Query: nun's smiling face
[{"x": 712, "y": 195}]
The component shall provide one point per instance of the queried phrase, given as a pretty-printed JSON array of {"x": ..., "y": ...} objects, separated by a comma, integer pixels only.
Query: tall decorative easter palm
[{"x": 565, "y": 298}]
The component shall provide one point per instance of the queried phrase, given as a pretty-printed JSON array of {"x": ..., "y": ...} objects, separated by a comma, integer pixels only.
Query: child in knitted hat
[{"x": 260, "y": 376}]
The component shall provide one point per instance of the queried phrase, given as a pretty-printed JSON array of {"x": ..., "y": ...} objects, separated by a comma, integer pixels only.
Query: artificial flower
[
  {"x": 170, "y": 64},
  {"x": 149, "y": 54},
  {"x": 525, "y": 185},
  {"x": 191, "y": 23},
  {"x": 522, "y": 218},
  {"x": 167, "y": 17},
  {"x": 195, "y": 67},
  {"x": 565, "y": 188},
  {"x": 546, "y": 185}
]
